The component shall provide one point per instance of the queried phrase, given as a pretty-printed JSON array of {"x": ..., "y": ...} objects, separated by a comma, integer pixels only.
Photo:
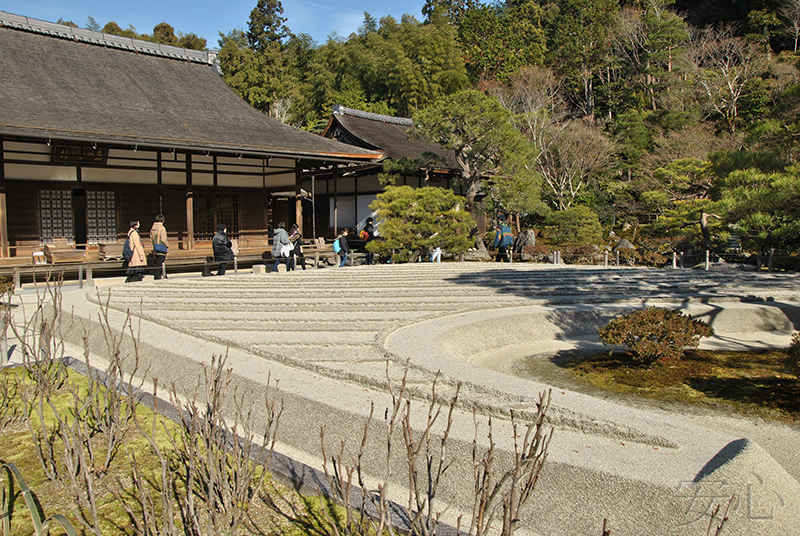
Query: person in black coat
[
  {"x": 370, "y": 231},
  {"x": 222, "y": 248},
  {"x": 344, "y": 247},
  {"x": 297, "y": 251}
]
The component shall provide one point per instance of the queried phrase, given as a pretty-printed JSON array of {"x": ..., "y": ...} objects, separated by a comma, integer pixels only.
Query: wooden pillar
[
  {"x": 298, "y": 199},
  {"x": 160, "y": 182},
  {"x": 4, "y": 245},
  {"x": 335, "y": 199},
  {"x": 189, "y": 202}
]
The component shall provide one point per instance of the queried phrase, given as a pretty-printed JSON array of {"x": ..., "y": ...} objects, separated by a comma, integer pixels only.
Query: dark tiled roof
[
  {"x": 386, "y": 133},
  {"x": 64, "y": 88}
]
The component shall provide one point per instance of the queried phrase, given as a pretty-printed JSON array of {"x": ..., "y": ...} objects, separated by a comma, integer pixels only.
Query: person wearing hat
[{"x": 222, "y": 248}]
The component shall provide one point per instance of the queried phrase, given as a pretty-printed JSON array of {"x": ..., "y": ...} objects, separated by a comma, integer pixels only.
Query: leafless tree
[
  {"x": 575, "y": 156},
  {"x": 723, "y": 68},
  {"x": 790, "y": 15},
  {"x": 534, "y": 98},
  {"x": 570, "y": 152}
]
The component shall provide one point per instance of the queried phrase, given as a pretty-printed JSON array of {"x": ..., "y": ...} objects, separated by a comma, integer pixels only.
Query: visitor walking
[
  {"x": 368, "y": 235},
  {"x": 297, "y": 247},
  {"x": 138, "y": 260},
  {"x": 503, "y": 239},
  {"x": 158, "y": 235},
  {"x": 223, "y": 253},
  {"x": 344, "y": 247},
  {"x": 281, "y": 246}
]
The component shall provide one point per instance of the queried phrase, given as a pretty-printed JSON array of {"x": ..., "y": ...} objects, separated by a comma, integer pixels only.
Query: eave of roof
[
  {"x": 386, "y": 133},
  {"x": 58, "y": 87}
]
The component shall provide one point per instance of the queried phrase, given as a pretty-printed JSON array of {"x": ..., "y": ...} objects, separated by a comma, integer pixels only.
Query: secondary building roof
[
  {"x": 384, "y": 133},
  {"x": 72, "y": 84}
]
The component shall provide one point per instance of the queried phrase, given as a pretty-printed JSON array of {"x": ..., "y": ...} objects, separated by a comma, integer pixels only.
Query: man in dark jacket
[
  {"x": 369, "y": 231},
  {"x": 222, "y": 248},
  {"x": 345, "y": 247}
]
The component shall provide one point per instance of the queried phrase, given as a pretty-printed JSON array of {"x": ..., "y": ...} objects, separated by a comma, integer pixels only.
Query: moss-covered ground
[
  {"x": 274, "y": 509},
  {"x": 763, "y": 383}
]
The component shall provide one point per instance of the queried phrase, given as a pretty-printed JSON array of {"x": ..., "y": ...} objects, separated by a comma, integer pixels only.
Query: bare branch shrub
[
  {"x": 147, "y": 518},
  {"x": 215, "y": 458},
  {"x": 110, "y": 401},
  {"x": 424, "y": 481},
  {"x": 426, "y": 463},
  {"x": 508, "y": 491}
]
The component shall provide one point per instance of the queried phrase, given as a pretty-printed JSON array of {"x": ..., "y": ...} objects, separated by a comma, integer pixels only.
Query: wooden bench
[
  {"x": 320, "y": 251},
  {"x": 61, "y": 252},
  {"x": 323, "y": 251},
  {"x": 110, "y": 252}
]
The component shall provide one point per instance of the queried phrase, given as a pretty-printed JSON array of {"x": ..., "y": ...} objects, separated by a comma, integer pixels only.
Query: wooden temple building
[
  {"x": 349, "y": 197},
  {"x": 97, "y": 130}
]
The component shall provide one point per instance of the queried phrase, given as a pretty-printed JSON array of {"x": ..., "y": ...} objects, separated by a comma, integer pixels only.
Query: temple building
[
  {"x": 350, "y": 191},
  {"x": 97, "y": 130}
]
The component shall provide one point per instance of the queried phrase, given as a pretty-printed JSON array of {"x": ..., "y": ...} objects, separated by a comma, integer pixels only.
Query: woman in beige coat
[{"x": 138, "y": 262}]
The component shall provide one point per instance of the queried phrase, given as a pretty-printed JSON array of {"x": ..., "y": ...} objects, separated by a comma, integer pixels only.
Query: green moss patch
[{"x": 762, "y": 383}]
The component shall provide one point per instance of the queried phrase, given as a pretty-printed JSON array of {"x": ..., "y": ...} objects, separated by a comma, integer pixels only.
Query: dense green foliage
[
  {"x": 483, "y": 140},
  {"x": 672, "y": 121},
  {"x": 414, "y": 221},
  {"x": 575, "y": 226},
  {"x": 656, "y": 334}
]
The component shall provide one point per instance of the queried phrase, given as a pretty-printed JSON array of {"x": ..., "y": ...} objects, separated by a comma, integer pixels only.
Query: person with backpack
[
  {"x": 344, "y": 247},
  {"x": 158, "y": 235},
  {"x": 367, "y": 234},
  {"x": 222, "y": 248},
  {"x": 503, "y": 240},
  {"x": 137, "y": 261},
  {"x": 281, "y": 246}
]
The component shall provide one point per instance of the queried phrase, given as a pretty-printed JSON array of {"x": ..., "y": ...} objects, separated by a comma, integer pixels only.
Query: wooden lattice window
[
  {"x": 55, "y": 215},
  {"x": 211, "y": 209},
  {"x": 101, "y": 213}
]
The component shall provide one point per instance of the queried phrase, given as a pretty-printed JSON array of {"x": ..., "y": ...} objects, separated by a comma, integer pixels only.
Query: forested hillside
[{"x": 675, "y": 123}]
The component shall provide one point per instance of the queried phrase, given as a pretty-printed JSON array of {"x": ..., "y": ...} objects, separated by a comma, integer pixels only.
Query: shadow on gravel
[
  {"x": 568, "y": 285},
  {"x": 777, "y": 393}
]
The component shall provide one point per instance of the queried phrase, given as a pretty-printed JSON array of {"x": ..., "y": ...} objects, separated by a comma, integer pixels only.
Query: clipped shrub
[
  {"x": 584, "y": 254},
  {"x": 627, "y": 256},
  {"x": 656, "y": 334},
  {"x": 536, "y": 253},
  {"x": 576, "y": 226},
  {"x": 650, "y": 258},
  {"x": 793, "y": 353}
]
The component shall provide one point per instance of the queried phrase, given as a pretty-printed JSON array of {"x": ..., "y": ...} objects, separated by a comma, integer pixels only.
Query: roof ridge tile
[{"x": 19, "y": 22}]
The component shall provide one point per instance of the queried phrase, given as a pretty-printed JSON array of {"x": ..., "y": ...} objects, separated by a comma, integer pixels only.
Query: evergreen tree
[
  {"x": 478, "y": 130},
  {"x": 165, "y": 34},
  {"x": 414, "y": 221},
  {"x": 266, "y": 26},
  {"x": 92, "y": 24}
]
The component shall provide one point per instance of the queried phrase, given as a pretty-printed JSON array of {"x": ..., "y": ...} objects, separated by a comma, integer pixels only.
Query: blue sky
[{"x": 205, "y": 18}]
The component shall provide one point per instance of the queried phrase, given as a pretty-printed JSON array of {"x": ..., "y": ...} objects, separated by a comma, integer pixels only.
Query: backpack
[
  {"x": 363, "y": 235},
  {"x": 127, "y": 252},
  {"x": 336, "y": 247}
]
